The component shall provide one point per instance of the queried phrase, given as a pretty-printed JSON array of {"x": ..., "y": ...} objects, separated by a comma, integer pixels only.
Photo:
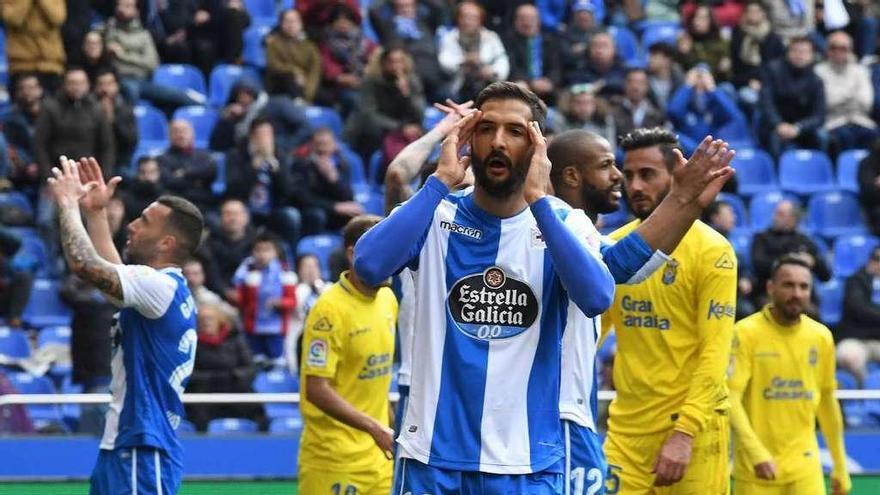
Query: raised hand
[
  {"x": 538, "y": 179},
  {"x": 701, "y": 178},
  {"x": 454, "y": 113},
  {"x": 451, "y": 168},
  {"x": 66, "y": 186},
  {"x": 99, "y": 196}
]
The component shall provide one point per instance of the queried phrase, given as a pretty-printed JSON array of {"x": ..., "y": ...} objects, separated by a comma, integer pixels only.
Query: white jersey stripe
[
  {"x": 134, "y": 471},
  {"x": 158, "y": 472}
]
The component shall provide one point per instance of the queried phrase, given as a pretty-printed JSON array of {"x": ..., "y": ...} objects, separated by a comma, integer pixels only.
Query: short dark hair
[
  {"x": 713, "y": 209},
  {"x": 565, "y": 150},
  {"x": 504, "y": 90},
  {"x": 75, "y": 68},
  {"x": 187, "y": 223},
  {"x": 665, "y": 139},
  {"x": 800, "y": 39},
  {"x": 356, "y": 227},
  {"x": 146, "y": 158},
  {"x": 264, "y": 235},
  {"x": 787, "y": 259},
  {"x": 103, "y": 71},
  {"x": 257, "y": 122}
]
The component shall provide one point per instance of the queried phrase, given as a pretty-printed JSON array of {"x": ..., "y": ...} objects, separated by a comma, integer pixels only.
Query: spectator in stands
[
  {"x": 145, "y": 188},
  {"x": 257, "y": 175},
  {"x": 186, "y": 171},
  {"x": 289, "y": 50},
  {"x": 583, "y": 109},
  {"x": 392, "y": 101},
  {"x": 783, "y": 238},
  {"x": 858, "y": 333},
  {"x": 119, "y": 113},
  {"x": 721, "y": 217},
  {"x": 752, "y": 45},
  {"x": 94, "y": 58},
  {"x": 603, "y": 66},
  {"x": 231, "y": 242},
  {"x": 20, "y": 125},
  {"x": 90, "y": 346},
  {"x": 634, "y": 109},
  {"x": 534, "y": 55},
  {"x": 576, "y": 39},
  {"x": 318, "y": 14},
  {"x": 116, "y": 217},
  {"x": 245, "y": 102},
  {"x": 309, "y": 287},
  {"x": 699, "y": 108},
  {"x": 792, "y": 100},
  {"x": 702, "y": 43},
  {"x": 792, "y": 19},
  {"x": 325, "y": 176},
  {"x": 472, "y": 54},
  {"x": 869, "y": 187},
  {"x": 412, "y": 24},
  {"x": 15, "y": 280},
  {"x": 848, "y": 95},
  {"x": 134, "y": 56},
  {"x": 194, "y": 272},
  {"x": 223, "y": 365},
  {"x": 285, "y": 113},
  {"x": 266, "y": 298},
  {"x": 664, "y": 75},
  {"x": 33, "y": 40},
  {"x": 344, "y": 55},
  {"x": 76, "y": 25},
  {"x": 727, "y": 13},
  {"x": 214, "y": 32},
  {"x": 72, "y": 124}
]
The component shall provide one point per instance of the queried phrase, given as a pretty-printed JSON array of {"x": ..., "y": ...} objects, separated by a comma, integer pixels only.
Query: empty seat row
[{"x": 800, "y": 171}]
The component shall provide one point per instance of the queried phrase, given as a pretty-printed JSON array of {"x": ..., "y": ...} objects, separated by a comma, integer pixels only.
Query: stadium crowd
[{"x": 279, "y": 124}]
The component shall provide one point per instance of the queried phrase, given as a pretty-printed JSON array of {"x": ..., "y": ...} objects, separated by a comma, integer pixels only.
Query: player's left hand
[
  {"x": 701, "y": 178},
  {"x": 538, "y": 178},
  {"x": 841, "y": 484},
  {"x": 66, "y": 187},
  {"x": 675, "y": 455}
]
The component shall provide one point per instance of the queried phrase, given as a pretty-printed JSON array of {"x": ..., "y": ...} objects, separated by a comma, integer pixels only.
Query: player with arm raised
[
  {"x": 494, "y": 271},
  {"x": 585, "y": 177},
  {"x": 154, "y": 338},
  {"x": 668, "y": 426}
]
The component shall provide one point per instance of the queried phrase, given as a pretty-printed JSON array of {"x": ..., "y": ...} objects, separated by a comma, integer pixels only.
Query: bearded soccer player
[
  {"x": 585, "y": 176},
  {"x": 154, "y": 339},
  {"x": 668, "y": 425},
  {"x": 783, "y": 380},
  {"x": 494, "y": 271}
]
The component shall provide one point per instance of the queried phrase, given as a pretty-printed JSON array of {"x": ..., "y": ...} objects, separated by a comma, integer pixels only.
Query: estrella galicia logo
[
  {"x": 719, "y": 310},
  {"x": 491, "y": 305}
]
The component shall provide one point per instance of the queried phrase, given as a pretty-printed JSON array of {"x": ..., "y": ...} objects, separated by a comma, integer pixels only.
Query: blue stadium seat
[
  {"x": 254, "y": 51},
  {"x": 219, "y": 185},
  {"x": 627, "y": 45},
  {"x": 851, "y": 253},
  {"x": 805, "y": 172},
  {"x": 370, "y": 197},
  {"x": 374, "y": 167},
  {"x": 71, "y": 412},
  {"x": 320, "y": 246},
  {"x": 872, "y": 407},
  {"x": 181, "y": 76},
  {"x": 739, "y": 208},
  {"x": 848, "y": 169},
  {"x": 755, "y": 172},
  {"x": 231, "y": 426},
  {"x": 853, "y": 410},
  {"x": 286, "y": 426},
  {"x": 14, "y": 343},
  {"x": 16, "y": 199},
  {"x": 835, "y": 214},
  {"x": 355, "y": 164},
  {"x": 659, "y": 32},
  {"x": 762, "y": 206},
  {"x": 431, "y": 118},
  {"x": 54, "y": 335},
  {"x": 45, "y": 308},
  {"x": 261, "y": 11},
  {"x": 277, "y": 382},
  {"x": 42, "y": 415},
  {"x": 202, "y": 120},
  {"x": 830, "y": 295},
  {"x": 152, "y": 127},
  {"x": 223, "y": 77},
  {"x": 324, "y": 117},
  {"x": 33, "y": 252},
  {"x": 741, "y": 240}
]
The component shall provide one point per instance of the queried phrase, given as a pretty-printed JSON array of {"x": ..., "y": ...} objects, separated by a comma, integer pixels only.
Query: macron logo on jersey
[{"x": 461, "y": 229}]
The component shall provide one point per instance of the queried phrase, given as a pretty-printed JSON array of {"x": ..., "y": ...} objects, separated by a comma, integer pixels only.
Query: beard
[
  {"x": 644, "y": 211},
  {"x": 598, "y": 200},
  {"x": 499, "y": 189}
]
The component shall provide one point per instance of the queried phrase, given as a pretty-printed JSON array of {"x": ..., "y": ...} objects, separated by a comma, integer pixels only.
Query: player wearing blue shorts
[
  {"x": 154, "y": 338},
  {"x": 585, "y": 177}
]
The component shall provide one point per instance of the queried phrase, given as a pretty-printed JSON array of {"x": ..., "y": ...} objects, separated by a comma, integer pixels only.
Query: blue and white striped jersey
[
  {"x": 489, "y": 319},
  {"x": 154, "y": 349}
]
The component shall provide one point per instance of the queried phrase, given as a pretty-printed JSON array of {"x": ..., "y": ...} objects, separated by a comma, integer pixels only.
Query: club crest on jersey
[
  {"x": 814, "y": 356},
  {"x": 670, "y": 272},
  {"x": 492, "y": 305}
]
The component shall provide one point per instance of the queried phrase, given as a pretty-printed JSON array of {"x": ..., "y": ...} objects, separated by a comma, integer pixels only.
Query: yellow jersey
[
  {"x": 779, "y": 377},
  {"x": 674, "y": 332},
  {"x": 348, "y": 338}
]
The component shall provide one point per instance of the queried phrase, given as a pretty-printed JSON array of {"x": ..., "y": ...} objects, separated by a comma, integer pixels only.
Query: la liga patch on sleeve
[{"x": 317, "y": 357}]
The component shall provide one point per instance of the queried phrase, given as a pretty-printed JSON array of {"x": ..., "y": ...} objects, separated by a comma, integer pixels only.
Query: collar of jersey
[
  {"x": 349, "y": 287},
  {"x": 784, "y": 328},
  {"x": 471, "y": 206}
]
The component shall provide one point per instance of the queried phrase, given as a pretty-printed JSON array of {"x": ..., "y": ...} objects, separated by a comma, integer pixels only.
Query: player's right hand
[
  {"x": 454, "y": 113},
  {"x": 451, "y": 168},
  {"x": 765, "y": 470},
  {"x": 102, "y": 193},
  {"x": 384, "y": 438},
  {"x": 702, "y": 176},
  {"x": 675, "y": 455}
]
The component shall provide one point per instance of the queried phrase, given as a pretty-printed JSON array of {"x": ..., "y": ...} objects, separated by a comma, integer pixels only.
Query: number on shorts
[
  {"x": 580, "y": 476},
  {"x": 349, "y": 489},
  {"x": 612, "y": 482}
]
